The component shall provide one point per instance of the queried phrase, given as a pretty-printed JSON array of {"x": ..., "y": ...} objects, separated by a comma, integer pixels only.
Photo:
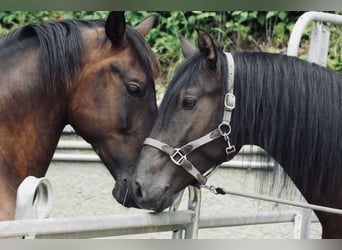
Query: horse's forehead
[
  {"x": 99, "y": 54},
  {"x": 93, "y": 36},
  {"x": 198, "y": 81},
  {"x": 98, "y": 47}
]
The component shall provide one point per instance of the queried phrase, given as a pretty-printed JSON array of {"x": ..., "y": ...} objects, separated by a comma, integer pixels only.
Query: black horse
[{"x": 289, "y": 107}]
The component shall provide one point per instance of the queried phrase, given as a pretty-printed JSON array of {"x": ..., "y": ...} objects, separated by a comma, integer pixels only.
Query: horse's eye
[
  {"x": 189, "y": 102},
  {"x": 133, "y": 89}
]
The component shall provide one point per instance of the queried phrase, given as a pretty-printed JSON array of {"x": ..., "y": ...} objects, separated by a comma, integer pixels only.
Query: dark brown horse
[
  {"x": 96, "y": 75},
  {"x": 218, "y": 102}
]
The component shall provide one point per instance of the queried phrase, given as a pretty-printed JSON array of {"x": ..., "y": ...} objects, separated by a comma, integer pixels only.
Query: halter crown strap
[
  {"x": 229, "y": 105},
  {"x": 229, "y": 98},
  {"x": 179, "y": 155}
]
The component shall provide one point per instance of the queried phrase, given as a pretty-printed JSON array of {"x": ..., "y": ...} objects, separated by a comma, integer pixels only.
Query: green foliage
[
  {"x": 335, "y": 49},
  {"x": 233, "y": 30},
  {"x": 10, "y": 20}
]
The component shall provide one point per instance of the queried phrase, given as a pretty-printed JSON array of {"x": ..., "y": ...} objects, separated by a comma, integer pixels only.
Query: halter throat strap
[{"x": 178, "y": 155}]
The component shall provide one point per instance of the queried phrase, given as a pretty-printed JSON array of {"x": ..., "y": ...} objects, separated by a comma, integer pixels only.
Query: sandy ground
[{"x": 85, "y": 189}]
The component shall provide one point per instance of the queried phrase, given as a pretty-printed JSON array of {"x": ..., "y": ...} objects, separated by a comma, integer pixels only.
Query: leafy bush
[{"x": 233, "y": 30}]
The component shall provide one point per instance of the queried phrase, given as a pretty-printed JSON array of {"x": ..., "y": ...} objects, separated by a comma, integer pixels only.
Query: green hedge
[{"x": 233, "y": 30}]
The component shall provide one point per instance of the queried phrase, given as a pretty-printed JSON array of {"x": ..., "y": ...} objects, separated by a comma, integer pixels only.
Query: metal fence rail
[
  {"x": 97, "y": 226},
  {"x": 127, "y": 224},
  {"x": 245, "y": 220}
]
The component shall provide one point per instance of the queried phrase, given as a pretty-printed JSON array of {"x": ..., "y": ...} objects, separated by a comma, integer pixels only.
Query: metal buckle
[
  {"x": 229, "y": 101},
  {"x": 178, "y": 157},
  {"x": 230, "y": 149},
  {"x": 211, "y": 188}
]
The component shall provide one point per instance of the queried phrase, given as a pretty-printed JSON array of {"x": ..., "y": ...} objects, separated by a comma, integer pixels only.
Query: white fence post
[
  {"x": 194, "y": 204},
  {"x": 174, "y": 207},
  {"x": 319, "y": 44}
]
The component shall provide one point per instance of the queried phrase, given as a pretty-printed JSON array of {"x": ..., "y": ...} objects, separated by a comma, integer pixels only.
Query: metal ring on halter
[{"x": 224, "y": 128}]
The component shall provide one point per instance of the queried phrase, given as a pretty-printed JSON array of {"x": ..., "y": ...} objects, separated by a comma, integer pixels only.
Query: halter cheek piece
[{"x": 179, "y": 155}]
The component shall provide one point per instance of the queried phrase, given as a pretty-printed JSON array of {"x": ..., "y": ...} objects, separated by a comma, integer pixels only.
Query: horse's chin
[
  {"x": 158, "y": 204},
  {"x": 157, "y": 207},
  {"x": 161, "y": 208}
]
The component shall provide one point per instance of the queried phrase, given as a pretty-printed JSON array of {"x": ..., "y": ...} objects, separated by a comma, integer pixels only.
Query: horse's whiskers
[{"x": 124, "y": 201}]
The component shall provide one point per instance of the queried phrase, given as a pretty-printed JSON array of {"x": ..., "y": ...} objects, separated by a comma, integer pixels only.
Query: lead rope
[{"x": 222, "y": 191}]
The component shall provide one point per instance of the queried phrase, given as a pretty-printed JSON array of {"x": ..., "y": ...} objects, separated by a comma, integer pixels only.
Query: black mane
[
  {"x": 60, "y": 46},
  {"x": 292, "y": 109}
]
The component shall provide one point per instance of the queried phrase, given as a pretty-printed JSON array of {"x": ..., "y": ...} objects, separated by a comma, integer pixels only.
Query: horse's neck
[
  {"x": 27, "y": 144},
  {"x": 31, "y": 123},
  {"x": 28, "y": 139}
]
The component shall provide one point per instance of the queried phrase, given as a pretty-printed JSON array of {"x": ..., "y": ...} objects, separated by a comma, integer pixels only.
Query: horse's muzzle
[{"x": 123, "y": 195}]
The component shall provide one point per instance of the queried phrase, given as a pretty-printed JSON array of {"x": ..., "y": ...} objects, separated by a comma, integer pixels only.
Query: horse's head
[
  {"x": 113, "y": 104},
  {"x": 192, "y": 107}
]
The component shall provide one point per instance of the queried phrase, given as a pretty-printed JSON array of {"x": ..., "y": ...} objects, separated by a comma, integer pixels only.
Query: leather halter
[{"x": 178, "y": 155}]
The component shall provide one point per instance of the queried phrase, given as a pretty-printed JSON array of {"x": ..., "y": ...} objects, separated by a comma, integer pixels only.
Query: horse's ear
[
  {"x": 188, "y": 48},
  {"x": 115, "y": 27},
  {"x": 207, "y": 48},
  {"x": 145, "y": 25}
]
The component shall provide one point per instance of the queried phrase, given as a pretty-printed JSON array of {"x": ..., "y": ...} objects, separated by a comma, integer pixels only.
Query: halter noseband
[{"x": 179, "y": 155}]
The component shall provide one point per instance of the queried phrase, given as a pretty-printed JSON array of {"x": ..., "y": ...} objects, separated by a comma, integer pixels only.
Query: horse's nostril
[{"x": 138, "y": 191}]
